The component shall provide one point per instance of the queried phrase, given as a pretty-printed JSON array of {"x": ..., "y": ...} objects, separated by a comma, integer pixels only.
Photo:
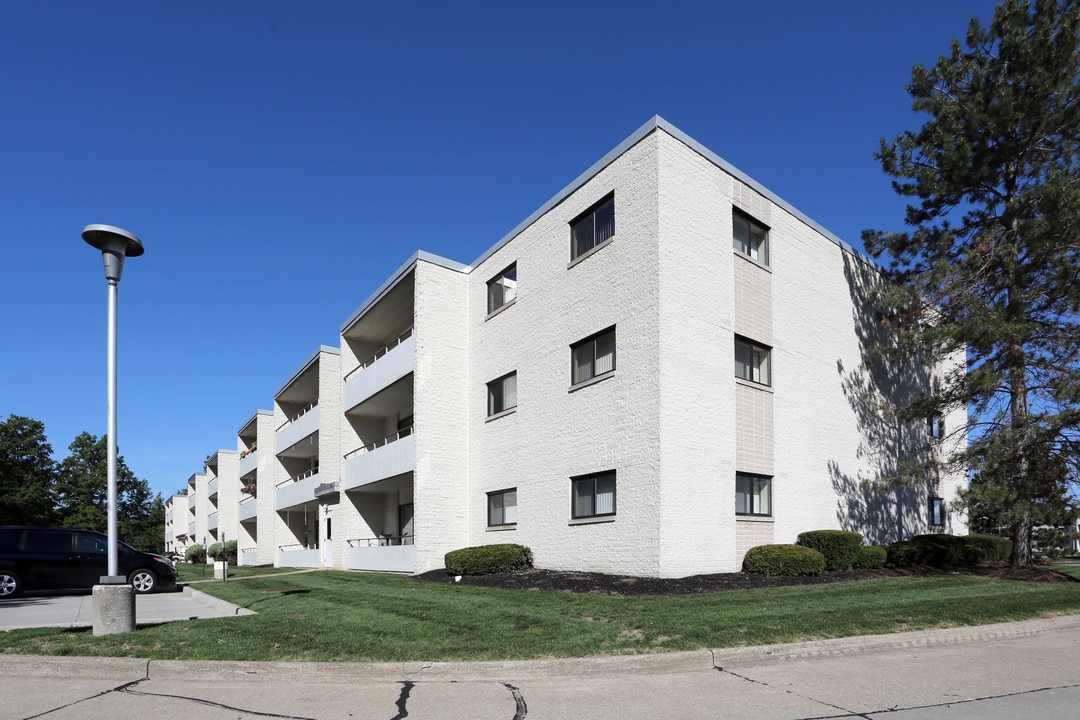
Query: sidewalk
[
  {"x": 77, "y": 610},
  {"x": 996, "y": 672}
]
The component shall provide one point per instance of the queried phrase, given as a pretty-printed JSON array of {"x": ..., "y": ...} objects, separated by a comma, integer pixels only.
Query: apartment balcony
[
  {"x": 393, "y": 455},
  {"x": 249, "y": 463},
  {"x": 381, "y": 554},
  {"x": 248, "y": 508},
  {"x": 212, "y": 522},
  {"x": 391, "y": 363},
  {"x": 212, "y": 488},
  {"x": 191, "y": 530},
  {"x": 298, "y": 556},
  {"x": 296, "y": 491},
  {"x": 300, "y": 427}
]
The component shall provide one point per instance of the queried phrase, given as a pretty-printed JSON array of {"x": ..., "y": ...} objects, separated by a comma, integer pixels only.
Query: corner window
[
  {"x": 752, "y": 362},
  {"x": 935, "y": 427},
  {"x": 937, "y": 512},
  {"x": 502, "y": 394},
  {"x": 592, "y": 227},
  {"x": 502, "y": 508},
  {"x": 753, "y": 494},
  {"x": 750, "y": 237},
  {"x": 592, "y": 357},
  {"x": 502, "y": 288},
  {"x": 593, "y": 495}
]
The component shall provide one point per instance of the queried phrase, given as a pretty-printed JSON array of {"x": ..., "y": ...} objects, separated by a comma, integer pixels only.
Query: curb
[{"x": 677, "y": 662}]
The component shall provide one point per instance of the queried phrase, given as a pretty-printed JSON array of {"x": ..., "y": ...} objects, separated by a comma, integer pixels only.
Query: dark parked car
[{"x": 47, "y": 558}]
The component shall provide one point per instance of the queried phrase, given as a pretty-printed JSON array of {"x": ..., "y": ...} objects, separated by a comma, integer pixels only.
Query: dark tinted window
[
  {"x": 9, "y": 539},
  {"x": 48, "y": 541}
]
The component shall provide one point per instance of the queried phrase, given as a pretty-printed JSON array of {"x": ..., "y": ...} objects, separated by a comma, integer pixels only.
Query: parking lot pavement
[{"x": 76, "y": 608}]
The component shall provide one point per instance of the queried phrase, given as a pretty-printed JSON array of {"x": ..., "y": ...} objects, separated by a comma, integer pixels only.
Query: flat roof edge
[
  {"x": 751, "y": 182},
  {"x": 635, "y": 137},
  {"x": 307, "y": 363}
]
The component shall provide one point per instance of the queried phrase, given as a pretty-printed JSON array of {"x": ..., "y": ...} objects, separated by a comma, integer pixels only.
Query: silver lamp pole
[{"x": 115, "y": 244}]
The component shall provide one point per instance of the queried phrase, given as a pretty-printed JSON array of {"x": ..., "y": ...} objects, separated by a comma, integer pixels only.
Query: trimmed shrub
[
  {"x": 195, "y": 554},
  {"x": 871, "y": 557},
  {"x": 995, "y": 546},
  {"x": 838, "y": 546},
  {"x": 226, "y": 552},
  {"x": 486, "y": 559},
  {"x": 943, "y": 551},
  {"x": 902, "y": 554},
  {"x": 790, "y": 560}
]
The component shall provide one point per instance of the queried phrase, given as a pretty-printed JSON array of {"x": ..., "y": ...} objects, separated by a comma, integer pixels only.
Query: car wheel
[
  {"x": 143, "y": 581},
  {"x": 10, "y": 584}
]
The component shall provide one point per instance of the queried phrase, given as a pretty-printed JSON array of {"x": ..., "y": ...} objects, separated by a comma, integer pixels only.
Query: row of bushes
[
  {"x": 820, "y": 550},
  {"x": 197, "y": 553},
  {"x": 813, "y": 553}
]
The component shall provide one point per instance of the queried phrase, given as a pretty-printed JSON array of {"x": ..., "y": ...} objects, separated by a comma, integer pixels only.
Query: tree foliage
[
  {"x": 991, "y": 265},
  {"x": 34, "y": 490},
  {"x": 82, "y": 499},
  {"x": 26, "y": 473}
]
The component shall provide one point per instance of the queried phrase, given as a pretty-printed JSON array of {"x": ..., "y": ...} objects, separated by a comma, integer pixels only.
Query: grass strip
[{"x": 353, "y": 617}]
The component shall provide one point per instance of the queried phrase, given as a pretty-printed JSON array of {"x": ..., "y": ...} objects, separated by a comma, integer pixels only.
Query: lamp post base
[{"x": 114, "y": 609}]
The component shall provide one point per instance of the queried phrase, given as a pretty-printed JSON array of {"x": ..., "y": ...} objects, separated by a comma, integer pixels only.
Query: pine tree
[
  {"x": 27, "y": 472},
  {"x": 991, "y": 265}
]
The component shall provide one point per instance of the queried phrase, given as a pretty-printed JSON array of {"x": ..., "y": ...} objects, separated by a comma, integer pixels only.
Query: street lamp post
[{"x": 114, "y": 604}]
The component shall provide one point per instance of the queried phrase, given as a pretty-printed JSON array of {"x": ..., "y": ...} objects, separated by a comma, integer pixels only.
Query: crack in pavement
[
  {"x": 845, "y": 711},
  {"x": 519, "y": 700},
  {"x": 868, "y": 715}
]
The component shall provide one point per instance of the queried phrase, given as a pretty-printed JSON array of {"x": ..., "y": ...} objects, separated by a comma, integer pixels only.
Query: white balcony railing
[
  {"x": 212, "y": 521},
  {"x": 393, "y": 455},
  {"x": 212, "y": 488},
  {"x": 297, "y": 490},
  {"x": 381, "y": 371},
  {"x": 298, "y": 428},
  {"x": 377, "y": 555},
  {"x": 248, "y": 508},
  {"x": 249, "y": 463}
]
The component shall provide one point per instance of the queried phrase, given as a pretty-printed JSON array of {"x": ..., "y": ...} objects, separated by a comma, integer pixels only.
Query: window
[
  {"x": 593, "y": 495},
  {"x": 502, "y": 288},
  {"x": 593, "y": 227},
  {"x": 502, "y": 394},
  {"x": 937, "y": 512},
  {"x": 752, "y": 362},
  {"x": 592, "y": 357},
  {"x": 750, "y": 237},
  {"x": 935, "y": 427},
  {"x": 753, "y": 494},
  {"x": 502, "y": 508}
]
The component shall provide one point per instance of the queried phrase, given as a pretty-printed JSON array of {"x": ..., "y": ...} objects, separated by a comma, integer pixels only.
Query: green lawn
[
  {"x": 187, "y": 572},
  {"x": 339, "y": 616}
]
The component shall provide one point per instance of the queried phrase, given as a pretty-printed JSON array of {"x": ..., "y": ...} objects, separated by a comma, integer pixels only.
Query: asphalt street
[{"x": 1028, "y": 669}]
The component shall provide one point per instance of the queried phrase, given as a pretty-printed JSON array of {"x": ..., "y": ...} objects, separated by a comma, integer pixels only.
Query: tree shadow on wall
[{"x": 885, "y": 497}]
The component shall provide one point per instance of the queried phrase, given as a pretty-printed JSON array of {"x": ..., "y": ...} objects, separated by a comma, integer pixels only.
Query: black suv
[{"x": 47, "y": 558}]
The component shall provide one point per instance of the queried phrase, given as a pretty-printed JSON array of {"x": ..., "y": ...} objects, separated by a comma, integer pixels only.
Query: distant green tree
[
  {"x": 27, "y": 472},
  {"x": 991, "y": 266},
  {"x": 82, "y": 496}
]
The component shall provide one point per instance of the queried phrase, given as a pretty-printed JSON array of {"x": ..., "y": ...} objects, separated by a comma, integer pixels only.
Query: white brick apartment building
[{"x": 660, "y": 368}]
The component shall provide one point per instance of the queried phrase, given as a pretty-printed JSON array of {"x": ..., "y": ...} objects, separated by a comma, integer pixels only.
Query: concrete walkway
[
  {"x": 48, "y": 609},
  {"x": 1012, "y": 670}
]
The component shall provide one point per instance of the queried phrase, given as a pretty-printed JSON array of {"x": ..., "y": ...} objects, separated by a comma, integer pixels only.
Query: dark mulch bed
[{"x": 600, "y": 584}]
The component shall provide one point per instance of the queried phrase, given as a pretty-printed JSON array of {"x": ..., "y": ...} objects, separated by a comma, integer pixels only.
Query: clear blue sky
[{"x": 280, "y": 160}]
